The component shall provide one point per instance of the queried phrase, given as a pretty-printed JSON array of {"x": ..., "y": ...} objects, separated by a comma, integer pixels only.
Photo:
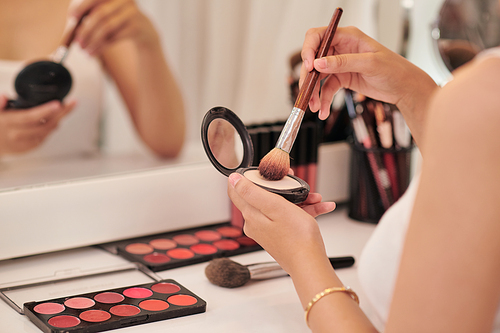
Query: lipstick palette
[
  {"x": 190, "y": 246},
  {"x": 115, "y": 308}
]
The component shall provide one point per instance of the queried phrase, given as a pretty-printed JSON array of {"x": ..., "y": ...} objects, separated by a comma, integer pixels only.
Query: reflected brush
[
  {"x": 68, "y": 36},
  {"x": 226, "y": 273},
  {"x": 276, "y": 164}
]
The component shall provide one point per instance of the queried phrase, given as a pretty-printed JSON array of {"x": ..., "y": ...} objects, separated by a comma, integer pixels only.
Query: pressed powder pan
[{"x": 229, "y": 147}]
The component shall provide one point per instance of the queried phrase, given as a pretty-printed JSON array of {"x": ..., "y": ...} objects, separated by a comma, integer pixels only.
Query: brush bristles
[
  {"x": 275, "y": 165},
  {"x": 226, "y": 273}
]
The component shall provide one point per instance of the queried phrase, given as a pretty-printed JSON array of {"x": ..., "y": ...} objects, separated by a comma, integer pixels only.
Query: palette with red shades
[
  {"x": 175, "y": 249},
  {"x": 115, "y": 308}
]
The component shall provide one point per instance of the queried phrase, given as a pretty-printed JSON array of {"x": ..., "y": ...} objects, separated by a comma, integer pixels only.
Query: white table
[{"x": 259, "y": 306}]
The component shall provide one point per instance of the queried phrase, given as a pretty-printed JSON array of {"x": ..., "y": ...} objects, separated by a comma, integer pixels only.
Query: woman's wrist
[
  {"x": 312, "y": 275},
  {"x": 414, "y": 102},
  {"x": 148, "y": 38}
]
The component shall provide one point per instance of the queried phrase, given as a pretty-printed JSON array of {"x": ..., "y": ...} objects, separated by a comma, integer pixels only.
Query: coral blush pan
[
  {"x": 186, "y": 247},
  {"x": 115, "y": 308}
]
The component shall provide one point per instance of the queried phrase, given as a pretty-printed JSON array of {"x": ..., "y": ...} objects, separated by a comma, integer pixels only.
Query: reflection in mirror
[
  {"x": 464, "y": 28},
  {"x": 225, "y": 143},
  {"x": 221, "y": 64}
]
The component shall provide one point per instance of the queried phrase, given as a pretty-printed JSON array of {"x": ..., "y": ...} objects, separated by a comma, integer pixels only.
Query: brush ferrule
[
  {"x": 265, "y": 270},
  {"x": 60, "y": 54},
  {"x": 289, "y": 132}
]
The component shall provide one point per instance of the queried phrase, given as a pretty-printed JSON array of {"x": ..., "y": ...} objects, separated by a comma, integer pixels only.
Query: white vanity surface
[{"x": 258, "y": 306}]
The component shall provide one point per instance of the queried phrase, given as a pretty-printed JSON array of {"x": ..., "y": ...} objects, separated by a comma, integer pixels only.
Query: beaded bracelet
[{"x": 325, "y": 292}]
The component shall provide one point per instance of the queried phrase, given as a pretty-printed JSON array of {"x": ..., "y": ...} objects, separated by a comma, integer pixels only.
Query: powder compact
[
  {"x": 229, "y": 147},
  {"x": 40, "y": 82},
  {"x": 91, "y": 290},
  {"x": 185, "y": 247}
]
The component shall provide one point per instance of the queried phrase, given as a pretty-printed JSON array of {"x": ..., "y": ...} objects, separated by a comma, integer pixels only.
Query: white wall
[{"x": 234, "y": 54}]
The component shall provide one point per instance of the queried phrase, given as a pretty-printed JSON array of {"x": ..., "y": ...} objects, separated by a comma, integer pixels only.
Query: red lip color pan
[
  {"x": 114, "y": 308},
  {"x": 187, "y": 247}
]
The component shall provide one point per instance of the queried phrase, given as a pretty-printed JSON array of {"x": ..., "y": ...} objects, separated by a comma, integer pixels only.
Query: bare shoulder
[{"x": 466, "y": 111}]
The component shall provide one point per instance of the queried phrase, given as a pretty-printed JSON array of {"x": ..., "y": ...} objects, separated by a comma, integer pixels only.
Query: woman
[
  {"x": 439, "y": 242},
  {"x": 114, "y": 37}
]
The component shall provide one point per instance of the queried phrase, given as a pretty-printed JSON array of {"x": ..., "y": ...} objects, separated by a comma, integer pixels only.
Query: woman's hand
[
  {"x": 24, "y": 130},
  {"x": 278, "y": 225},
  {"x": 360, "y": 63},
  {"x": 107, "y": 21}
]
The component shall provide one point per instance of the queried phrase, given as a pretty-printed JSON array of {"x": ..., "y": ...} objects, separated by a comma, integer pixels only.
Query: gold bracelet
[{"x": 325, "y": 292}]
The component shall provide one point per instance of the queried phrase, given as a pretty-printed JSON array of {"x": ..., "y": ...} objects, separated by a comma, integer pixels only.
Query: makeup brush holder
[{"x": 378, "y": 178}]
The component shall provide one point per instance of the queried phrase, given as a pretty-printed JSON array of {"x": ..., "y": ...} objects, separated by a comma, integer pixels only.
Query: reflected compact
[
  {"x": 186, "y": 247},
  {"x": 46, "y": 80},
  {"x": 229, "y": 147},
  {"x": 40, "y": 82}
]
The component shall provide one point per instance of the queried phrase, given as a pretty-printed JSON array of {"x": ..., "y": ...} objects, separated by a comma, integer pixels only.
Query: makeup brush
[
  {"x": 68, "y": 36},
  {"x": 276, "y": 164},
  {"x": 227, "y": 273},
  {"x": 43, "y": 81}
]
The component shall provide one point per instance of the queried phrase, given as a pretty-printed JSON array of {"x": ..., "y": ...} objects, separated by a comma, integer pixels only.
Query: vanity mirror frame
[{"x": 99, "y": 210}]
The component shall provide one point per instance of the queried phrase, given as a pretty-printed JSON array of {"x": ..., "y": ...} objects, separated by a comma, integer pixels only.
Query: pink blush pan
[{"x": 186, "y": 247}]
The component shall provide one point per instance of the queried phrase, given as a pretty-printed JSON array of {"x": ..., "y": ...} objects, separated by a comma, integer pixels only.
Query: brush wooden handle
[
  {"x": 312, "y": 77},
  {"x": 70, "y": 32}
]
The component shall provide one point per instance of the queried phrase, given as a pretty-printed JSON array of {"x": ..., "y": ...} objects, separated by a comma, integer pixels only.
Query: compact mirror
[
  {"x": 229, "y": 147},
  {"x": 464, "y": 28},
  {"x": 225, "y": 143},
  {"x": 40, "y": 82}
]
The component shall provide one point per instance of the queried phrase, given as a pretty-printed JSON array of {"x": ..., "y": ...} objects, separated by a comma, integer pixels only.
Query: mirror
[
  {"x": 230, "y": 53},
  {"x": 464, "y": 28},
  {"x": 225, "y": 143}
]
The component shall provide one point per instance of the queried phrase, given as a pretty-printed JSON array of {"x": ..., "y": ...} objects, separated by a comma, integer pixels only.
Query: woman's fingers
[
  {"x": 314, "y": 207},
  {"x": 250, "y": 195},
  {"x": 23, "y": 130},
  {"x": 320, "y": 208},
  {"x": 107, "y": 21},
  {"x": 36, "y": 116},
  {"x": 111, "y": 25},
  {"x": 310, "y": 47}
]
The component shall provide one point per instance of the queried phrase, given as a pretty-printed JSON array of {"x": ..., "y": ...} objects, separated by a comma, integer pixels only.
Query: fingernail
[
  {"x": 55, "y": 105},
  {"x": 234, "y": 178},
  {"x": 306, "y": 63},
  {"x": 320, "y": 63}
]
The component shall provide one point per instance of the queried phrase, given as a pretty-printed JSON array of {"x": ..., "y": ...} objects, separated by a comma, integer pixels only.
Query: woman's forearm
[
  {"x": 159, "y": 114},
  {"x": 336, "y": 312},
  {"x": 150, "y": 92}
]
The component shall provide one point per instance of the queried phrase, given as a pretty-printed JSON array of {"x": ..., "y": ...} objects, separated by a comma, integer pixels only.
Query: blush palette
[
  {"x": 115, "y": 308},
  {"x": 175, "y": 249}
]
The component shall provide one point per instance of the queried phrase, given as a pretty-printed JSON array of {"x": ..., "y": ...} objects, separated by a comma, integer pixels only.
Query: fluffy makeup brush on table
[
  {"x": 276, "y": 164},
  {"x": 227, "y": 273}
]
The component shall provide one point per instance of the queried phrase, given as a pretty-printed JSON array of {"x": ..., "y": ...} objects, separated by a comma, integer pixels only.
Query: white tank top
[
  {"x": 379, "y": 261},
  {"x": 78, "y": 132}
]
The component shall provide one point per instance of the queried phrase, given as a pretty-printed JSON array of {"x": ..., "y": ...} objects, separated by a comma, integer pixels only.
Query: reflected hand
[
  {"x": 24, "y": 130},
  {"x": 277, "y": 224},
  {"x": 108, "y": 21},
  {"x": 362, "y": 64}
]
